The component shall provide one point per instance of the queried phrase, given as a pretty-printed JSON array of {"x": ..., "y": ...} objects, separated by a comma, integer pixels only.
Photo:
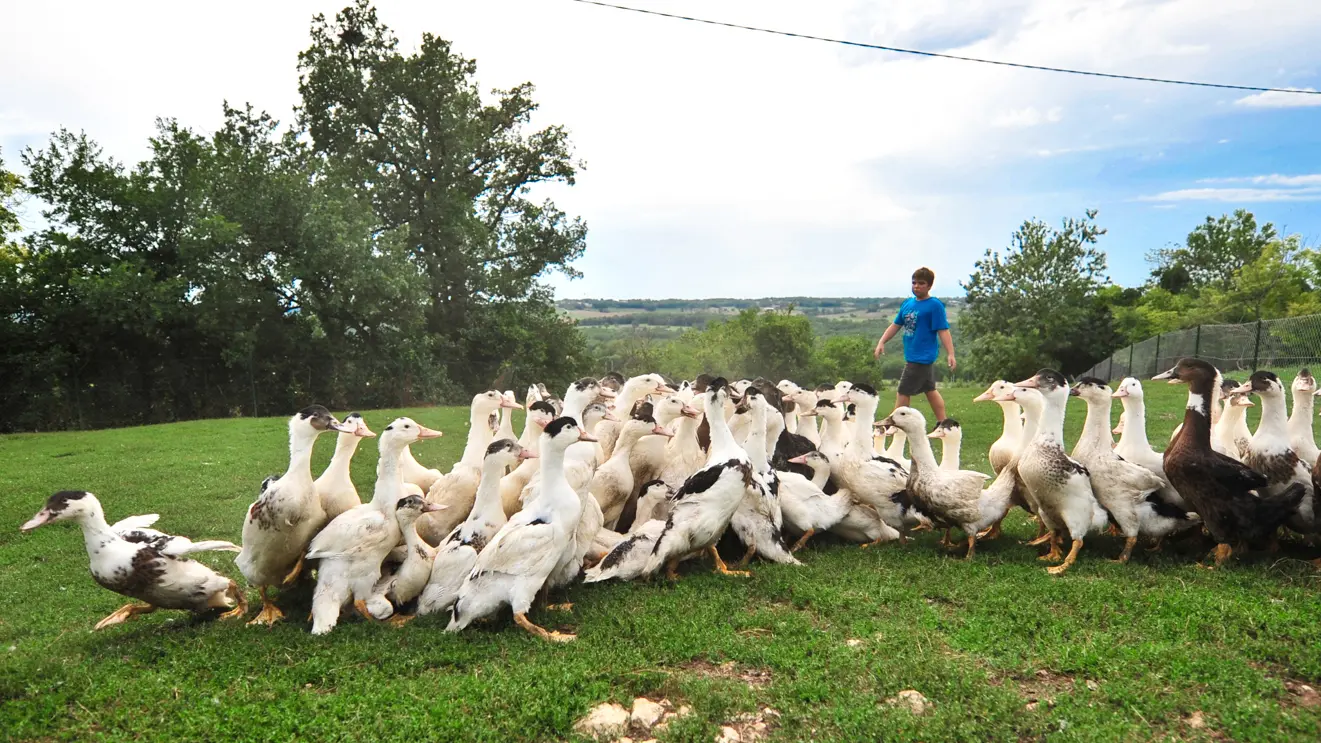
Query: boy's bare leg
[{"x": 937, "y": 404}]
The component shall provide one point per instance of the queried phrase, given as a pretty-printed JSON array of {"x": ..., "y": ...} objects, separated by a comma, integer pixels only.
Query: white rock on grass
[
  {"x": 728, "y": 735},
  {"x": 605, "y": 722},
  {"x": 646, "y": 713},
  {"x": 912, "y": 700}
]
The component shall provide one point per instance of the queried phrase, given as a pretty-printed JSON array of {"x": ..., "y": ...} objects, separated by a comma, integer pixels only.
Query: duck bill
[
  {"x": 800, "y": 459},
  {"x": 428, "y": 433},
  {"x": 661, "y": 432},
  {"x": 507, "y": 403},
  {"x": 1168, "y": 374},
  {"x": 587, "y": 437},
  {"x": 526, "y": 454},
  {"x": 886, "y": 422},
  {"x": 689, "y": 412},
  {"x": 1030, "y": 383},
  {"x": 362, "y": 431},
  {"x": 1004, "y": 398},
  {"x": 1073, "y": 392},
  {"x": 344, "y": 427},
  {"x": 609, "y": 416},
  {"x": 986, "y": 396},
  {"x": 1242, "y": 402},
  {"x": 1117, "y": 430},
  {"x": 1242, "y": 389},
  {"x": 1121, "y": 392},
  {"x": 939, "y": 433},
  {"x": 433, "y": 507},
  {"x": 607, "y": 393},
  {"x": 664, "y": 389},
  {"x": 43, "y": 517}
]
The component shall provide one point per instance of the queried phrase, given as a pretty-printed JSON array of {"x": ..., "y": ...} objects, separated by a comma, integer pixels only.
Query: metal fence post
[
  {"x": 1256, "y": 347},
  {"x": 1156, "y": 360},
  {"x": 1110, "y": 373},
  {"x": 1197, "y": 344},
  {"x": 1131, "y": 373}
]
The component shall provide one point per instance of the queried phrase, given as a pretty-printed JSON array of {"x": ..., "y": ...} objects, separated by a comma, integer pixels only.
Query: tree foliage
[{"x": 1212, "y": 254}]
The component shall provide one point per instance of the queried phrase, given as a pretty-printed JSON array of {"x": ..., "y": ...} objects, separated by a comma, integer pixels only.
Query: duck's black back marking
[
  {"x": 620, "y": 551},
  {"x": 700, "y": 481},
  {"x": 1168, "y": 510}
]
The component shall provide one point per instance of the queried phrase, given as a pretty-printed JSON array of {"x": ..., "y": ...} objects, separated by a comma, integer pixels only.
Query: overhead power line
[{"x": 938, "y": 55}]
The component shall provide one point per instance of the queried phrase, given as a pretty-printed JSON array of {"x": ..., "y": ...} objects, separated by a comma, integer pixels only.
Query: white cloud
[
  {"x": 1277, "y": 99},
  {"x": 702, "y": 140},
  {"x": 1238, "y": 195},
  {"x": 1275, "y": 179}
]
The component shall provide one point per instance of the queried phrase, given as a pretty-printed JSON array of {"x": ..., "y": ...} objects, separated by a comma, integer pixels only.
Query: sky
[{"x": 784, "y": 166}]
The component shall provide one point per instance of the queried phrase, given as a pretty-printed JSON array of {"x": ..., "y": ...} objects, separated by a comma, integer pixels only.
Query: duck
[
  {"x": 1301, "y": 437},
  {"x": 860, "y": 522},
  {"x": 683, "y": 451},
  {"x": 950, "y": 434},
  {"x": 705, "y": 503},
  {"x": 876, "y": 480},
  {"x": 627, "y": 559},
  {"x": 1270, "y": 451},
  {"x": 835, "y": 435},
  {"x": 1060, "y": 485},
  {"x": 1033, "y": 405},
  {"x": 352, "y": 547},
  {"x": 458, "y": 551},
  {"x": 790, "y": 391},
  {"x": 286, "y": 514},
  {"x": 806, "y": 507},
  {"x": 633, "y": 391},
  {"x": 334, "y": 487},
  {"x": 141, "y": 563},
  {"x": 1133, "y": 445},
  {"x": 521, "y": 556},
  {"x": 1230, "y": 434},
  {"x": 612, "y": 483},
  {"x": 506, "y": 428},
  {"x": 1119, "y": 485},
  {"x": 539, "y": 414},
  {"x": 590, "y": 541},
  {"x": 395, "y": 594},
  {"x": 759, "y": 520},
  {"x": 1224, "y": 492},
  {"x": 1005, "y": 448},
  {"x": 458, "y": 488},
  {"x": 950, "y": 498}
]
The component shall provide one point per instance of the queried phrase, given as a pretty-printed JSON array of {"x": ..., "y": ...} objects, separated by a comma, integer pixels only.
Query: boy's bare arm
[
  {"x": 947, "y": 341},
  {"x": 885, "y": 338}
]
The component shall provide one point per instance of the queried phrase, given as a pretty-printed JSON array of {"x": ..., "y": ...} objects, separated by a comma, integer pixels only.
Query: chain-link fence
[{"x": 1288, "y": 342}]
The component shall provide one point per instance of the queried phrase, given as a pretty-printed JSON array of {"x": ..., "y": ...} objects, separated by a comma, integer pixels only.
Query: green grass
[{"x": 1003, "y": 650}]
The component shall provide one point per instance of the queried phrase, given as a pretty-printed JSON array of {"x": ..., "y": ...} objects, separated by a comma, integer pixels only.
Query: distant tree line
[{"x": 381, "y": 250}]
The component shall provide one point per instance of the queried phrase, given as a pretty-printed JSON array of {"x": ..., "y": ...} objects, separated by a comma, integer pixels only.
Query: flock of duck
[{"x": 626, "y": 478}]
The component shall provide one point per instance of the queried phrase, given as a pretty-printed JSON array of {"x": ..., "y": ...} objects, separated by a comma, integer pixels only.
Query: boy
[{"x": 922, "y": 318}]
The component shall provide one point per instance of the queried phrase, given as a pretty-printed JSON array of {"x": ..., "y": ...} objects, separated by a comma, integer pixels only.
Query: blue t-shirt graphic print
[{"x": 921, "y": 320}]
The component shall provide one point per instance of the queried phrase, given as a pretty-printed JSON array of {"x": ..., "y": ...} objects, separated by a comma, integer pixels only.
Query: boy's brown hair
[{"x": 924, "y": 274}]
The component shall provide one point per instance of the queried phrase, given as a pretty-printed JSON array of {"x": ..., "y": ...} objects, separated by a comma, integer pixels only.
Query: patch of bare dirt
[
  {"x": 753, "y": 677},
  {"x": 1040, "y": 688},
  {"x": 750, "y": 727}
]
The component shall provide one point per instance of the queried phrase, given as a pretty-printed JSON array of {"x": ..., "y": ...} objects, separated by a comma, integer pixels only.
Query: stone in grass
[
  {"x": 912, "y": 700},
  {"x": 605, "y": 722},
  {"x": 646, "y": 714},
  {"x": 729, "y": 735}
]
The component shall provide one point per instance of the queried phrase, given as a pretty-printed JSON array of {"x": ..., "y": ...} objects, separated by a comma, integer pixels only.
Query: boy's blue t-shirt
[{"x": 921, "y": 319}]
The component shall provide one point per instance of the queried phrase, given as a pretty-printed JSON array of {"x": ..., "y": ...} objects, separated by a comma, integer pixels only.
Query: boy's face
[{"x": 921, "y": 289}]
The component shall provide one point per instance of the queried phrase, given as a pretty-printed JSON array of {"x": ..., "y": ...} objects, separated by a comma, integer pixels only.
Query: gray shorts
[{"x": 917, "y": 379}]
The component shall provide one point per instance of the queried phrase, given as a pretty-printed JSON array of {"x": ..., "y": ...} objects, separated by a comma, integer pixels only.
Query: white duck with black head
[
  {"x": 759, "y": 519},
  {"x": 458, "y": 488},
  {"x": 458, "y": 551},
  {"x": 1271, "y": 453},
  {"x": 286, "y": 514},
  {"x": 521, "y": 556},
  {"x": 878, "y": 481},
  {"x": 335, "y": 487},
  {"x": 1119, "y": 485},
  {"x": 1060, "y": 485},
  {"x": 950, "y": 435},
  {"x": 706, "y": 501},
  {"x": 352, "y": 547},
  {"x": 142, "y": 563},
  {"x": 396, "y": 593}
]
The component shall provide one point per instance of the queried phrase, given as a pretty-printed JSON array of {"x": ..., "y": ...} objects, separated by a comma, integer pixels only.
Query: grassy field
[{"x": 1157, "y": 649}]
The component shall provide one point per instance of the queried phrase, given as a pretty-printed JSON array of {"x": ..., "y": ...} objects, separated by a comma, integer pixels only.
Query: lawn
[{"x": 1156, "y": 649}]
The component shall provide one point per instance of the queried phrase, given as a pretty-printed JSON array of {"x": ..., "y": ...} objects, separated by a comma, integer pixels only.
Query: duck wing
[
  {"x": 351, "y": 533},
  {"x": 135, "y": 522},
  {"x": 524, "y": 547}
]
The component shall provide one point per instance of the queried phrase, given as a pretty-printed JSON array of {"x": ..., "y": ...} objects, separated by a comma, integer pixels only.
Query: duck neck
[
  {"x": 1197, "y": 418},
  {"x": 895, "y": 450},
  {"x": 300, "y": 456},
  {"x": 629, "y": 396},
  {"x": 1051, "y": 427},
  {"x": 1135, "y": 422},
  {"x": 923, "y": 457},
  {"x": 1300, "y": 420},
  {"x": 862, "y": 427},
  {"x": 1012, "y": 426},
  {"x": 1096, "y": 427},
  {"x": 791, "y": 421},
  {"x": 487, "y": 502},
  {"x": 553, "y": 481},
  {"x": 950, "y": 447},
  {"x": 1230, "y": 419},
  {"x": 389, "y": 482},
  {"x": 835, "y": 433},
  {"x": 411, "y": 537},
  {"x": 346, "y": 444},
  {"x": 1273, "y": 420},
  {"x": 820, "y": 474},
  {"x": 756, "y": 442},
  {"x": 722, "y": 439},
  {"x": 95, "y": 529},
  {"x": 479, "y": 437}
]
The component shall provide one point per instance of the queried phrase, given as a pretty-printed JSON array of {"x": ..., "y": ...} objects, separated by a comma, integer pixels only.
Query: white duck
[
  {"x": 1032, "y": 404},
  {"x": 458, "y": 551},
  {"x": 950, "y": 434},
  {"x": 335, "y": 486},
  {"x": 1006, "y": 448},
  {"x": 807, "y": 509},
  {"x": 759, "y": 519},
  {"x": 627, "y": 559},
  {"x": 1230, "y": 435},
  {"x": 506, "y": 427},
  {"x": 1270, "y": 451},
  {"x": 612, "y": 483},
  {"x": 352, "y": 547},
  {"x": 1133, "y": 445},
  {"x": 650, "y": 455},
  {"x": 143, "y": 563},
  {"x": 522, "y": 555},
  {"x": 877, "y": 481},
  {"x": 286, "y": 514},
  {"x": 1301, "y": 437},
  {"x": 950, "y": 498},
  {"x": 539, "y": 415},
  {"x": 1119, "y": 485},
  {"x": 860, "y": 522},
  {"x": 1060, "y": 486},
  {"x": 398, "y": 589},
  {"x": 457, "y": 489},
  {"x": 633, "y": 391},
  {"x": 707, "y": 500},
  {"x": 683, "y": 452}
]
